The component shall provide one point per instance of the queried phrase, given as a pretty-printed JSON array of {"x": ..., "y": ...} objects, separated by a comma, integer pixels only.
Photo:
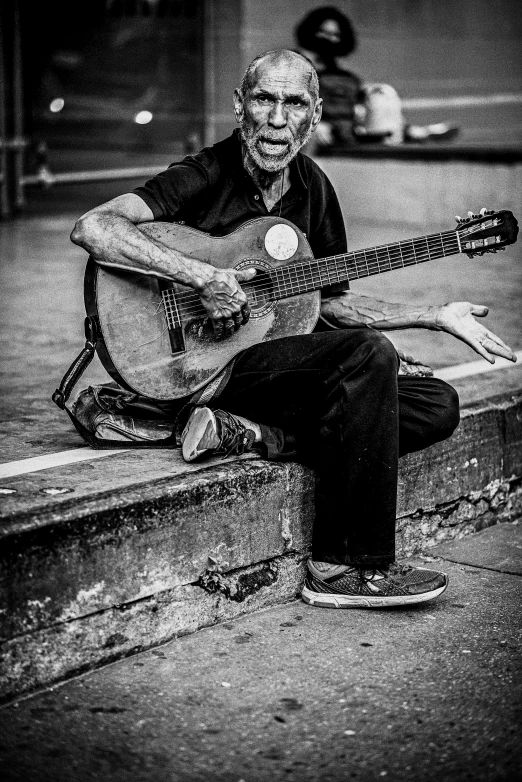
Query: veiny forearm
[
  {"x": 114, "y": 240},
  {"x": 350, "y": 309}
]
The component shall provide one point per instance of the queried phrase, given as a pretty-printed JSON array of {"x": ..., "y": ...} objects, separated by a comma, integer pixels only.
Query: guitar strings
[
  {"x": 190, "y": 302},
  {"x": 369, "y": 266},
  {"x": 393, "y": 257},
  {"x": 307, "y": 275},
  {"x": 397, "y": 252}
]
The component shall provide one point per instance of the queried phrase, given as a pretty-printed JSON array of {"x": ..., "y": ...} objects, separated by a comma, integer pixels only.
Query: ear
[
  {"x": 318, "y": 113},
  {"x": 238, "y": 105}
]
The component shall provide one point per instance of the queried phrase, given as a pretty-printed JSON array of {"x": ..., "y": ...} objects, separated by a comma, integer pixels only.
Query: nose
[{"x": 277, "y": 116}]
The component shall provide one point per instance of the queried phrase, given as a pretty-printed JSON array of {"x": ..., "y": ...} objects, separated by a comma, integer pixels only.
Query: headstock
[{"x": 486, "y": 232}]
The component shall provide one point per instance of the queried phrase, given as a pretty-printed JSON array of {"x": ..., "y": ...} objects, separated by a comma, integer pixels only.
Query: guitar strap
[{"x": 69, "y": 380}]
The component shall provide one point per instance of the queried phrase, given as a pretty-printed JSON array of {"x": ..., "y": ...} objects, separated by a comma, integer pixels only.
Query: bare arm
[
  {"x": 110, "y": 235},
  {"x": 350, "y": 309}
]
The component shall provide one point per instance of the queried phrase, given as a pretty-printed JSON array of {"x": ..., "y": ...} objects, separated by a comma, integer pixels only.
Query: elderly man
[{"x": 332, "y": 398}]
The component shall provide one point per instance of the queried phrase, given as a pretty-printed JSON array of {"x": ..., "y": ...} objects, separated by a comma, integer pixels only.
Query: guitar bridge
[{"x": 172, "y": 317}]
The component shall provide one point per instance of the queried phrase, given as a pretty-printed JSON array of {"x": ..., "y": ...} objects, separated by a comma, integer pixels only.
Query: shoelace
[
  {"x": 234, "y": 437},
  {"x": 395, "y": 569}
]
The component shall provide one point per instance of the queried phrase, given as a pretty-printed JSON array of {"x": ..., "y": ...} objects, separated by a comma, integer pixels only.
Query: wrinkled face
[{"x": 277, "y": 114}]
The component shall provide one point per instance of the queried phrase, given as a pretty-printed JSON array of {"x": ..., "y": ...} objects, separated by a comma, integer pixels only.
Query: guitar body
[{"x": 154, "y": 336}]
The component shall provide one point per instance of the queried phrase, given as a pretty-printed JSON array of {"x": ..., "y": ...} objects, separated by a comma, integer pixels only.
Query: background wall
[
  {"x": 425, "y": 48},
  {"x": 412, "y": 43}
]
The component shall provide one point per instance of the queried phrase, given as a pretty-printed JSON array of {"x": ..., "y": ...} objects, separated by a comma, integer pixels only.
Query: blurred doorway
[{"x": 112, "y": 81}]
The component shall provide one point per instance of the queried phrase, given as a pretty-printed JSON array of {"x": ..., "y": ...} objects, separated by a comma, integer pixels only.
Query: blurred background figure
[{"x": 354, "y": 111}]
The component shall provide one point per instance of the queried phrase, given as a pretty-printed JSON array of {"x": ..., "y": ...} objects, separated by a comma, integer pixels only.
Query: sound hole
[{"x": 260, "y": 294}]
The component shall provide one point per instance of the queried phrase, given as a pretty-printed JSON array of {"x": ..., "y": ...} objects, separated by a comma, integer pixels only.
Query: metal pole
[
  {"x": 18, "y": 111},
  {"x": 209, "y": 65},
  {"x": 99, "y": 175},
  {"x": 5, "y": 206}
]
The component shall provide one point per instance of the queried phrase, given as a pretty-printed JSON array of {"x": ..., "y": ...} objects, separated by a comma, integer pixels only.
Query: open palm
[{"x": 457, "y": 318}]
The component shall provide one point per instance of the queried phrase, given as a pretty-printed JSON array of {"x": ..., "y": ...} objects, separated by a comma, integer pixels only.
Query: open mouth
[{"x": 272, "y": 146}]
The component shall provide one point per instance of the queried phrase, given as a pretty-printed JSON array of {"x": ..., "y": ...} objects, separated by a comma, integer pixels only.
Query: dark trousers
[{"x": 333, "y": 400}]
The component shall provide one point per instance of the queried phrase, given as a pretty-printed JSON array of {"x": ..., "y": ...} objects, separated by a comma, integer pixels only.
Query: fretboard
[{"x": 312, "y": 275}]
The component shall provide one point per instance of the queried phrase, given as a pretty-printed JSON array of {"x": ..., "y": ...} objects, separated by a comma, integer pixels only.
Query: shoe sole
[
  {"x": 199, "y": 435},
  {"x": 328, "y": 600}
]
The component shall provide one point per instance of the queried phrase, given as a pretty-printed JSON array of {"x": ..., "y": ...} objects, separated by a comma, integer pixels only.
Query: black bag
[{"x": 113, "y": 409}]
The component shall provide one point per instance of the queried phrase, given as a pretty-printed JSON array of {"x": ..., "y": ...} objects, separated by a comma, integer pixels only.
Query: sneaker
[
  {"x": 350, "y": 587},
  {"x": 214, "y": 432}
]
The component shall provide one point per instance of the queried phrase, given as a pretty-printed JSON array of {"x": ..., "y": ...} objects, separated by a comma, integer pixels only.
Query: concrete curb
[
  {"x": 420, "y": 186},
  {"x": 127, "y": 570}
]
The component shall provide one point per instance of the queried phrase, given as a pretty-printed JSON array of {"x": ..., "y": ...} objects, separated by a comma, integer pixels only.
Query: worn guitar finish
[
  {"x": 154, "y": 336},
  {"x": 137, "y": 348}
]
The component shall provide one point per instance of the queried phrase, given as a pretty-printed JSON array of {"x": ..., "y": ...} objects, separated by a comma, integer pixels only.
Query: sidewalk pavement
[{"x": 299, "y": 693}]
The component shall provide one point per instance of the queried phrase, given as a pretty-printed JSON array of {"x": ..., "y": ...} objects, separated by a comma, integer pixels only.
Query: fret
[
  {"x": 313, "y": 275},
  {"x": 436, "y": 240},
  {"x": 395, "y": 255},
  {"x": 409, "y": 260},
  {"x": 287, "y": 281},
  {"x": 414, "y": 252},
  {"x": 322, "y": 274},
  {"x": 390, "y": 267},
  {"x": 401, "y": 263},
  {"x": 427, "y": 247},
  {"x": 366, "y": 262},
  {"x": 316, "y": 280},
  {"x": 374, "y": 263},
  {"x": 337, "y": 271},
  {"x": 453, "y": 240},
  {"x": 307, "y": 272}
]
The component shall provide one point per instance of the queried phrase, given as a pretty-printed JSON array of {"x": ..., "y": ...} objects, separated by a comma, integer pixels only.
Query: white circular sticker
[{"x": 281, "y": 242}]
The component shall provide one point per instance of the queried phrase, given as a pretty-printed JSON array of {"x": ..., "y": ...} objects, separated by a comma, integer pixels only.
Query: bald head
[
  {"x": 278, "y": 108},
  {"x": 283, "y": 59}
]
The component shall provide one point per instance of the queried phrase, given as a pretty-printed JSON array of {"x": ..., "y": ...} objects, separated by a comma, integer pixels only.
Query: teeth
[{"x": 274, "y": 146}]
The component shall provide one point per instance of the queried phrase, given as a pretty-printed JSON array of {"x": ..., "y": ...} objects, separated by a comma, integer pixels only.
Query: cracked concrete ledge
[
  {"x": 64, "y": 650},
  {"x": 118, "y": 573}
]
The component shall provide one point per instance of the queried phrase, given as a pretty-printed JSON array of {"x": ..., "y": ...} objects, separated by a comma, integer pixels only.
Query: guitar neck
[{"x": 297, "y": 278}]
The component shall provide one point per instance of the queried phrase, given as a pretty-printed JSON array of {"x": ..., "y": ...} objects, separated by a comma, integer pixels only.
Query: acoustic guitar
[{"x": 154, "y": 336}]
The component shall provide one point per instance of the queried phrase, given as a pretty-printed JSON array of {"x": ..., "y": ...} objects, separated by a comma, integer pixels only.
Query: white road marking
[
  {"x": 474, "y": 368},
  {"x": 462, "y": 101},
  {"x": 35, "y": 463},
  {"x": 62, "y": 458}
]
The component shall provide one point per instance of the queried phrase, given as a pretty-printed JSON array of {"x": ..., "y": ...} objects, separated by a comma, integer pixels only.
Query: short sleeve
[{"x": 167, "y": 194}]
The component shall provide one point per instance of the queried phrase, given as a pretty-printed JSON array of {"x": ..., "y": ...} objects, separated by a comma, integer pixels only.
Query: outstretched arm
[
  {"x": 350, "y": 309},
  {"x": 110, "y": 234}
]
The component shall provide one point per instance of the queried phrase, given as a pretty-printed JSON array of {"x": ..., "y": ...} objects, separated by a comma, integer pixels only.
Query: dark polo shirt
[{"x": 211, "y": 191}]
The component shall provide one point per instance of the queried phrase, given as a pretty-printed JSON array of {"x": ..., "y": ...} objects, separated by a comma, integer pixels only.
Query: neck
[
  {"x": 265, "y": 180},
  {"x": 304, "y": 276}
]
